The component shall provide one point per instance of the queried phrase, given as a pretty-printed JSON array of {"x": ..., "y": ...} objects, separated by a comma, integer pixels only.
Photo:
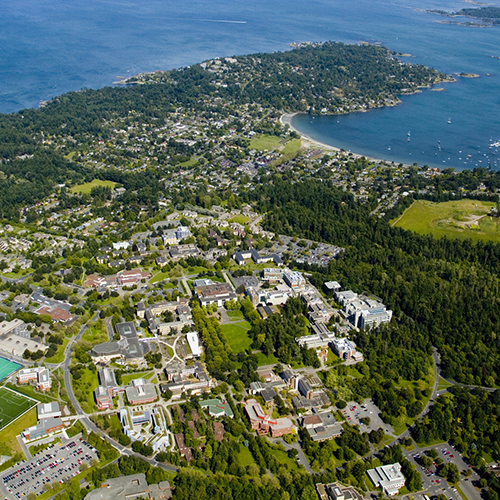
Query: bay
[{"x": 48, "y": 48}]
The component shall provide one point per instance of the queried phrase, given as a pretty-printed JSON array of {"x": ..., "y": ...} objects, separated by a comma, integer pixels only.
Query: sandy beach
[{"x": 308, "y": 141}]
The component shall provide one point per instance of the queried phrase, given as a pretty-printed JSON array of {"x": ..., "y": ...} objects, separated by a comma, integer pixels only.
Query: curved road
[{"x": 87, "y": 423}]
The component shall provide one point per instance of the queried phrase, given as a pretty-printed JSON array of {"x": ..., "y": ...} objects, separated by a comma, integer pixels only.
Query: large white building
[
  {"x": 388, "y": 477},
  {"x": 194, "y": 343}
]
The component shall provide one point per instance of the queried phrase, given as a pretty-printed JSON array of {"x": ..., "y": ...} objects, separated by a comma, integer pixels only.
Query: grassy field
[
  {"x": 235, "y": 315},
  {"x": 87, "y": 187},
  {"x": 240, "y": 219},
  {"x": 262, "y": 359},
  {"x": 237, "y": 336},
  {"x": 262, "y": 142},
  {"x": 9, "y": 434},
  {"x": 126, "y": 379},
  {"x": 455, "y": 219},
  {"x": 244, "y": 457},
  {"x": 12, "y": 406}
]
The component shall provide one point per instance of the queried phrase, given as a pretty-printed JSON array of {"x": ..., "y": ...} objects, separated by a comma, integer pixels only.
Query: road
[{"x": 87, "y": 423}]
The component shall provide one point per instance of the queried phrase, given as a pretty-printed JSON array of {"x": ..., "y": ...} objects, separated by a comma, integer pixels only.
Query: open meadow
[{"x": 454, "y": 219}]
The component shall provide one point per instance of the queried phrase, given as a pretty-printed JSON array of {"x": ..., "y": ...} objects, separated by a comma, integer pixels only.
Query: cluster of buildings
[
  {"x": 121, "y": 279},
  {"x": 128, "y": 350},
  {"x": 39, "y": 375},
  {"x": 240, "y": 257},
  {"x": 361, "y": 311},
  {"x": 179, "y": 309},
  {"x": 182, "y": 378}
]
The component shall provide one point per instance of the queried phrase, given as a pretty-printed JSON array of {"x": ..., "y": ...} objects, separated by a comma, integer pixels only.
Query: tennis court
[
  {"x": 7, "y": 367},
  {"x": 13, "y": 405}
]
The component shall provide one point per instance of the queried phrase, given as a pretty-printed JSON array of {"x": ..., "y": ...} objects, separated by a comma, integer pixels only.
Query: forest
[{"x": 450, "y": 289}]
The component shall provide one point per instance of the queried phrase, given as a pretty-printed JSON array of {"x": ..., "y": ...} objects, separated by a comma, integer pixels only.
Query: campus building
[{"x": 261, "y": 422}]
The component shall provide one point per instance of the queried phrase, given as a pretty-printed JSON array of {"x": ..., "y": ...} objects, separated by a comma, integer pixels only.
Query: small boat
[{"x": 449, "y": 120}]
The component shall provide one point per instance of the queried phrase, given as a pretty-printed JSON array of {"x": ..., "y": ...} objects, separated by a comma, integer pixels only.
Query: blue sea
[{"x": 52, "y": 47}]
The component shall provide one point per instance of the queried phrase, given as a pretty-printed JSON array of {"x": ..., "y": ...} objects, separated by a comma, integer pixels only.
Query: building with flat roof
[
  {"x": 321, "y": 426},
  {"x": 44, "y": 427},
  {"x": 294, "y": 280},
  {"x": 388, "y": 477},
  {"x": 218, "y": 293},
  {"x": 103, "y": 398},
  {"x": 336, "y": 491},
  {"x": 194, "y": 343},
  {"x": 48, "y": 410},
  {"x": 130, "y": 488},
  {"x": 141, "y": 392}
]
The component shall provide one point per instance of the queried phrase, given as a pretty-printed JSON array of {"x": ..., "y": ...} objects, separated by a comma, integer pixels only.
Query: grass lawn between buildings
[{"x": 237, "y": 336}]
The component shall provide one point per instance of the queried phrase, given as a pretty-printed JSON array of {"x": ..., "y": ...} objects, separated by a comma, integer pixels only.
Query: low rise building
[
  {"x": 48, "y": 410},
  {"x": 336, "y": 491},
  {"x": 103, "y": 399},
  {"x": 261, "y": 422},
  {"x": 218, "y": 293},
  {"x": 43, "y": 428},
  {"x": 141, "y": 392},
  {"x": 345, "y": 349},
  {"x": 217, "y": 408},
  {"x": 130, "y": 488},
  {"x": 321, "y": 426},
  {"x": 387, "y": 477}
]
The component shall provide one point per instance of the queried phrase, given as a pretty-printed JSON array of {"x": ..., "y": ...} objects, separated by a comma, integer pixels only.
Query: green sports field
[
  {"x": 454, "y": 219},
  {"x": 7, "y": 367},
  {"x": 12, "y": 406}
]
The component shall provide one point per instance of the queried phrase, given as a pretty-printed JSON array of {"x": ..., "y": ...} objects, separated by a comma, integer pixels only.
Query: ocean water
[{"x": 48, "y": 48}]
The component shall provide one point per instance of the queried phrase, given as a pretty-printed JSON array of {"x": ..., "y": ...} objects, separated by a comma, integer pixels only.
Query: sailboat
[
  {"x": 449, "y": 120},
  {"x": 409, "y": 135}
]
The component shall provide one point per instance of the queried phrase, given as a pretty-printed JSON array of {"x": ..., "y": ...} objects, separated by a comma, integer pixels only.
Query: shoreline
[{"x": 286, "y": 119}]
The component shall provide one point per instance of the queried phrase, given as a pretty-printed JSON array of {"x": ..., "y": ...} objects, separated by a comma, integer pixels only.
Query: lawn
[
  {"x": 9, "y": 434},
  {"x": 237, "y": 336},
  {"x": 403, "y": 421},
  {"x": 442, "y": 384},
  {"x": 159, "y": 276},
  {"x": 244, "y": 457},
  {"x": 59, "y": 355},
  {"x": 455, "y": 219},
  {"x": 189, "y": 163},
  {"x": 262, "y": 142},
  {"x": 12, "y": 406},
  {"x": 292, "y": 147},
  {"x": 126, "y": 379},
  {"x": 87, "y": 187},
  {"x": 240, "y": 219},
  {"x": 262, "y": 359},
  {"x": 283, "y": 458},
  {"x": 235, "y": 315},
  {"x": 84, "y": 388}
]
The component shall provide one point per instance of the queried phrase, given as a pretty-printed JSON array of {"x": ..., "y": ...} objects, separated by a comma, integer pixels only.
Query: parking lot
[
  {"x": 55, "y": 464},
  {"x": 354, "y": 412},
  {"x": 435, "y": 484}
]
